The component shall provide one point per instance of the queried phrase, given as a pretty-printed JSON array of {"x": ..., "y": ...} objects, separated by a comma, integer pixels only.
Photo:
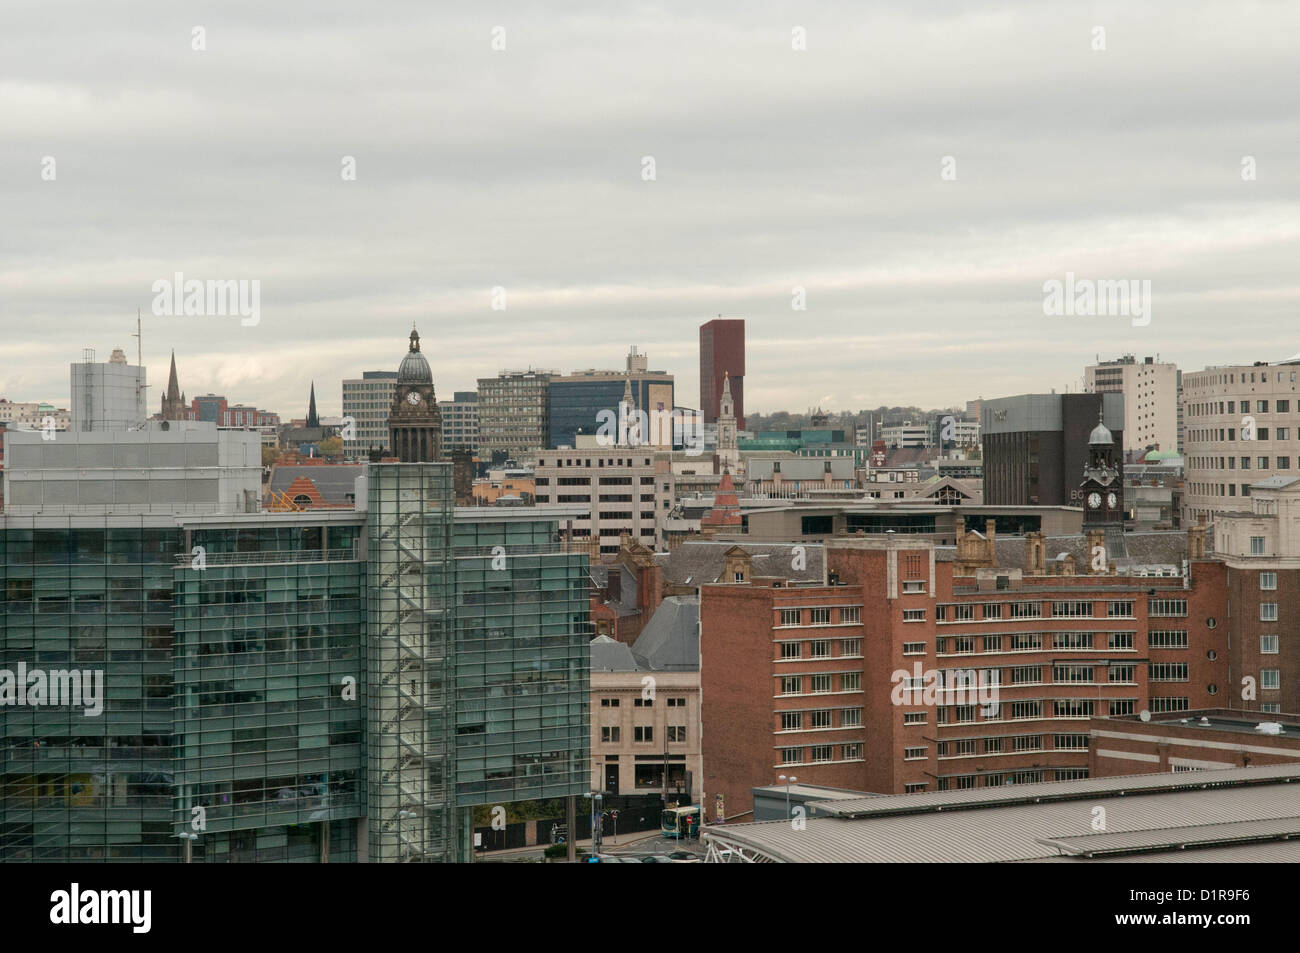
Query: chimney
[
  {"x": 1035, "y": 554},
  {"x": 1196, "y": 541}
]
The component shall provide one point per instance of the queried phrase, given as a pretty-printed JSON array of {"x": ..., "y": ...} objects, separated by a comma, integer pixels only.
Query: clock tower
[
  {"x": 414, "y": 421},
  {"x": 1103, "y": 494}
]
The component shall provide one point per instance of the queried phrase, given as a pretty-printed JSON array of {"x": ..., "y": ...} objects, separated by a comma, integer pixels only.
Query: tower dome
[
  {"x": 414, "y": 369},
  {"x": 1101, "y": 435}
]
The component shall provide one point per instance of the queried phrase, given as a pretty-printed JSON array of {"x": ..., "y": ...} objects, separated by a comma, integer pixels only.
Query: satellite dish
[{"x": 1145, "y": 715}]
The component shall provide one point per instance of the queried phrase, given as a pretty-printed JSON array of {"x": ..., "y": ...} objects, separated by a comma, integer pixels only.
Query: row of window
[
  {"x": 819, "y": 648},
  {"x": 642, "y": 734},
  {"x": 820, "y": 684},
  {"x": 674, "y": 702},
  {"x": 1002, "y": 744},
  {"x": 1059, "y": 608},
  {"x": 822, "y": 616},
  {"x": 821, "y": 753},
  {"x": 1211, "y": 408},
  {"x": 1025, "y": 642},
  {"x": 814, "y": 719}
]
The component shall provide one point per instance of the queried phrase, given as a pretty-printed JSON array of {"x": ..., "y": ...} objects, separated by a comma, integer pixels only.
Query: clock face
[
  {"x": 1111, "y": 500},
  {"x": 413, "y": 398},
  {"x": 1094, "y": 500}
]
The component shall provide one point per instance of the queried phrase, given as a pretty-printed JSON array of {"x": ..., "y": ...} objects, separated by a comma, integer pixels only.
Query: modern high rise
[
  {"x": 324, "y": 686},
  {"x": 512, "y": 412},
  {"x": 722, "y": 355},
  {"x": 1035, "y": 446},
  {"x": 1241, "y": 424},
  {"x": 460, "y": 421},
  {"x": 576, "y": 401},
  {"x": 1150, "y": 392},
  {"x": 366, "y": 400},
  {"x": 107, "y": 396}
]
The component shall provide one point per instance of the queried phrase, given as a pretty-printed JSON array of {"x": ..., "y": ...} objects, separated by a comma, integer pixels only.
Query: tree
[
  {"x": 270, "y": 455},
  {"x": 331, "y": 446}
]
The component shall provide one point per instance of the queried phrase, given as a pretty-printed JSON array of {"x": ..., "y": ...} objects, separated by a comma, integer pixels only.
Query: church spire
[{"x": 312, "y": 419}]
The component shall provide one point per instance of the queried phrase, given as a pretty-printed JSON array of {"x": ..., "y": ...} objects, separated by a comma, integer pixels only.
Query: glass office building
[{"x": 330, "y": 686}]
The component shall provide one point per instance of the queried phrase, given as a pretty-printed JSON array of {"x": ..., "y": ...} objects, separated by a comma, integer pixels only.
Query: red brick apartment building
[
  {"x": 1191, "y": 741},
  {"x": 807, "y": 680}
]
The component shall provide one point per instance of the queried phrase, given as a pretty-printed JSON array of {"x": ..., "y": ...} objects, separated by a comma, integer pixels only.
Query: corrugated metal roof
[
  {"x": 1180, "y": 837},
  {"x": 1014, "y": 832},
  {"x": 1054, "y": 790}
]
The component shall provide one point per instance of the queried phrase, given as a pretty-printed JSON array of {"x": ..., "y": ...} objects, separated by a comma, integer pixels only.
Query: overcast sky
[{"x": 522, "y": 168}]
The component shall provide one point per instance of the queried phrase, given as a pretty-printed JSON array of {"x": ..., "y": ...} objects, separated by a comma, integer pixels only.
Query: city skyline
[{"x": 920, "y": 196}]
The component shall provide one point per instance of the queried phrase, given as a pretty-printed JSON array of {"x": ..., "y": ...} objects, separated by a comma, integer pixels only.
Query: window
[
  {"x": 821, "y": 753},
  {"x": 790, "y": 650},
  {"x": 1271, "y": 707},
  {"x": 1122, "y": 673},
  {"x": 791, "y": 720},
  {"x": 1027, "y": 743},
  {"x": 1072, "y": 640},
  {"x": 1031, "y": 709},
  {"x": 643, "y": 734},
  {"x": 1168, "y": 607},
  {"x": 1268, "y": 645},
  {"x": 913, "y": 648},
  {"x": 1163, "y": 704},
  {"x": 914, "y": 754},
  {"x": 789, "y": 616},
  {"x": 1072, "y": 673},
  {"x": 1120, "y": 610},
  {"x": 850, "y": 717},
  {"x": 1026, "y": 610},
  {"x": 1073, "y": 708},
  {"x": 914, "y": 718},
  {"x": 851, "y": 682},
  {"x": 1026, "y": 674},
  {"x": 914, "y": 787},
  {"x": 1284, "y": 463},
  {"x": 820, "y": 648},
  {"x": 965, "y": 746},
  {"x": 1072, "y": 609},
  {"x": 850, "y": 647},
  {"x": 992, "y": 610},
  {"x": 1268, "y": 612},
  {"x": 677, "y": 703},
  {"x": 609, "y": 735},
  {"x": 913, "y": 615},
  {"x": 963, "y": 644},
  {"x": 1120, "y": 640},
  {"x": 1026, "y": 641},
  {"x": 1167, "y": 639},
  {"x": 1257, "y": 545},
  {"x": 963, "y": 613},
  {"x": 609, "y": 703},
  {"x": 910, "y": 587},
  {"x": 790, "y": 755},
  {"x": 821, "y": 684},
  {"x": 821, "y": 718},
  {"x": 1167, "y": 671},
  {"x": 643, "y": 702},
  {"x": 852, "y": 752},
  {"x": 1070, "y": 742},
  {"x": 992, "y": 643},
  {"x": 1270, "y": 678},
  {"x": 850, "y": 614},
  {"x": 821, "y": 616},
  {"x": 1121, "y": 706},
  {"x": 964, "y": 714},
  {"x": 992, "y": 745},
  {"x": 1268, "y": 580}
]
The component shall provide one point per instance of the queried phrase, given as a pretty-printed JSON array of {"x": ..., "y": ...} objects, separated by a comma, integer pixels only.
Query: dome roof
[
  {"x": 1100, "y": 436},
  {"x": 414, "y": 369}
]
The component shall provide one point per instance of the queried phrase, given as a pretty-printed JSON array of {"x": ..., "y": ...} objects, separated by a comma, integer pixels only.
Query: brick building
[
  {"x": 1191, "y": 741},
  {"x": 972, "y": 666}
]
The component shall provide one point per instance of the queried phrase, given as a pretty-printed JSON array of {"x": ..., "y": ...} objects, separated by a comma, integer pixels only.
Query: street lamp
[
  {"x": 788, "y": 781},
  {"x": 189, "y": 840}
]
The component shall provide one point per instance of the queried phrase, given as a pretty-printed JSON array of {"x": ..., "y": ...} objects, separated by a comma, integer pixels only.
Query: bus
[{"x": 681, "y": 821}]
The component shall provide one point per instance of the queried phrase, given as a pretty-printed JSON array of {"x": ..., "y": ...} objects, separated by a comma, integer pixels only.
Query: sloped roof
[
  {"x": 334, "y": 481},
  {"x": 608, "y": 655},
  {"x": 670, "y": 642},
  {"x": 698, "y": 563}
]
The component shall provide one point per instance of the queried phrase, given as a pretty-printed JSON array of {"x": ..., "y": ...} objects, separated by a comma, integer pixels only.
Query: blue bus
[{"x": 681, "y": 821}]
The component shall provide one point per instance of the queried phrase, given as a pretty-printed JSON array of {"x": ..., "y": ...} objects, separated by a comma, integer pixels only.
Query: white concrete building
[{"x": 1150, "y": 392}]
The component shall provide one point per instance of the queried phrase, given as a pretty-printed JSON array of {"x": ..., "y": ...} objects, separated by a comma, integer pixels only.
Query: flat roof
[{"x": 1152, "y": 815}]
